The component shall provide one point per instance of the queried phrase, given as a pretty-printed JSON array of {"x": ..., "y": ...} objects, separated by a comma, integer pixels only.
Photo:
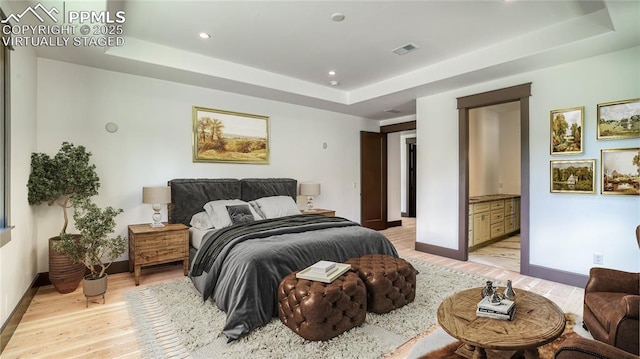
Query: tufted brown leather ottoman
[
  {"x": 390, "y": 281},
  {"x": 320, "y": 311}
]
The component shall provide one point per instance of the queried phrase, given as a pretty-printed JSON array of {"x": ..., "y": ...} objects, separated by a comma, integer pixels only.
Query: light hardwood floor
[
  {"x": 60, "y": 326},
  {"x": 504, "y": 254}
]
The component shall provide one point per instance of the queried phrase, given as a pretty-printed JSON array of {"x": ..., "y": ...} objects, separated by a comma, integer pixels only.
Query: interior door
[
  {"x": 373, "y": 183},
  {"x": 411, "y": 177}
]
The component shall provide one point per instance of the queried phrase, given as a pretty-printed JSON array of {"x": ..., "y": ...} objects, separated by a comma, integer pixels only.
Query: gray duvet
[{"x": 243, "y": 277}]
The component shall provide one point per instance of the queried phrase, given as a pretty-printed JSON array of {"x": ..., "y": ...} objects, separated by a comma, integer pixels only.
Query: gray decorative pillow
[{"x": 240, "y": 214}]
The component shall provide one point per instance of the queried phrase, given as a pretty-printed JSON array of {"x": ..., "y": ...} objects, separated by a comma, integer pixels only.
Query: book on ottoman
[
  {"x": 323, "y": 268},
  {"x": 325, "y": 272}
]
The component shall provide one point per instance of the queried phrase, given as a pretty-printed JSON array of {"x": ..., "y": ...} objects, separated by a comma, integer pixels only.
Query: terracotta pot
[
  {"x": 94, "y": 287},
  {"x": 63, "y": 273}
]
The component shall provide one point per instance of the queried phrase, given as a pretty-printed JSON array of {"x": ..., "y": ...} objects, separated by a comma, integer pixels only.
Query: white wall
[
  {"x": 394, "y": 176},
  {"x": 566, "y": 229},
  {"x": 484, "y": 152},
  {"x": 509, "y": 175},
  {"x": 494, "y": 152},
  {"x": 153, "y": 143},
  {"x": 18, "y": 265}
]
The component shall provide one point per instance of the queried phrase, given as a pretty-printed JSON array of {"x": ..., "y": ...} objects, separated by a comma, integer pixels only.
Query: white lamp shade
[
  {"x": 156, "y": 195},
  {"x": 310, "y": 189}
]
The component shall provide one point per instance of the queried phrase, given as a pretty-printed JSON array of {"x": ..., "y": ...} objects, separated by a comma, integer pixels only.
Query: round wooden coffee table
[{"x": 537, "y": 321}]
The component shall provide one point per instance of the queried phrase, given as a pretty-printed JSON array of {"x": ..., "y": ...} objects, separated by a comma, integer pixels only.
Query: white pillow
[
  {"x": 256, "y": 208},
  {"x": 218, "y": 214},
  {"x": 201, "y": 221},
  {"x": 277, "y": 206}
]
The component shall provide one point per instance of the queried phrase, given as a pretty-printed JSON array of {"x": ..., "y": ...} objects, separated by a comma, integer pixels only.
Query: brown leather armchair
[
  {"x": 611, "y": 306},
  {"x": 582, "y": 348}
]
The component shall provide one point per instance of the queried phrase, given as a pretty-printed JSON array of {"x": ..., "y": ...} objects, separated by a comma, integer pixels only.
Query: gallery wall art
[
  {"x": 620, "y": 171},
  {"x": 573, "y": 176},
  {"x": 566, "y": 131},
  {"x": 619, "y": 120}
]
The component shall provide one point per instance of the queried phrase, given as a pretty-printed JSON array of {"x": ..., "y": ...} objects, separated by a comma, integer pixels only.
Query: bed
[{"x": 241, "y": 265}]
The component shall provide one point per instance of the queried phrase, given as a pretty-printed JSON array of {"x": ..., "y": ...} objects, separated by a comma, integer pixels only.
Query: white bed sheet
[{"x": 196, "y": 235}]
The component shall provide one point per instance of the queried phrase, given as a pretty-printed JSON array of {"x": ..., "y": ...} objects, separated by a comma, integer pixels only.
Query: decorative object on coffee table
[
  {"x": 320, "y": 311},
  {"x": 390, "y": 281},
  {"x": 488, "y": 289},
  {"x": 503, "y": 309},
  {"x": 509, "y": 293},
  {"x": 537, "y": 321}
]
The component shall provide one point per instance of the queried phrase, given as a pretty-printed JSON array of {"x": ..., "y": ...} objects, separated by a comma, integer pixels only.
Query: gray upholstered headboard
[
  {"x": 254, "y": 188},
  {"x": 189, "y": 195}
]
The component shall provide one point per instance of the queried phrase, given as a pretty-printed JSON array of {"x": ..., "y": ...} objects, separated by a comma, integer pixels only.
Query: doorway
[
  {"x": 411, "y": 174},
  {"x": 373, "y": 175},
  {"x": 519, "y": 93},
  {"x": 494, "y": 180}
]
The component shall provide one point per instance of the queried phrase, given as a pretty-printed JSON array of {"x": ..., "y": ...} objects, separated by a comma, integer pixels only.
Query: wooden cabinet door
[{"x": 481, "y": 228}]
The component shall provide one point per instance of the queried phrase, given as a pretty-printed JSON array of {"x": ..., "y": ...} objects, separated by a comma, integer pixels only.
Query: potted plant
[
  {"x": 63, "y": 180},
  {"x": 93, "y": 248}
]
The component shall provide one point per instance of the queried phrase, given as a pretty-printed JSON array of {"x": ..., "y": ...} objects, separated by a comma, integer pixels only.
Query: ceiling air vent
[
  {"x": 392, "y": 110},
  {"x": 405, "y": 49}
]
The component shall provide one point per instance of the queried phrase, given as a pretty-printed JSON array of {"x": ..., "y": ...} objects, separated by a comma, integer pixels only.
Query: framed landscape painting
[
  {"x": 619, "y": 119},
  {"x": 566, "y": 131},
  {"x": 232, "y": 137},
  {"x": 573, "y": 176},
  {"x": 620, "y": 171}
]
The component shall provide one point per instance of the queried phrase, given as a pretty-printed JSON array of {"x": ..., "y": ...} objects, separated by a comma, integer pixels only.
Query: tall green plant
[
  {"x": 64, "y": 179},
  {"x": 94, "y": 248}
]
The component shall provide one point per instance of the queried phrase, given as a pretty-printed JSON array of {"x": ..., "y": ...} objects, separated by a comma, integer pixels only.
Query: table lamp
[
  {"x": 309, "y": 190},
  {"x": 156, "y": 196}
]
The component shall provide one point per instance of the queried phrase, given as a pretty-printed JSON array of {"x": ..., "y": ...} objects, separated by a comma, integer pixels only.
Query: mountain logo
[{"x": 34, "y": 11}]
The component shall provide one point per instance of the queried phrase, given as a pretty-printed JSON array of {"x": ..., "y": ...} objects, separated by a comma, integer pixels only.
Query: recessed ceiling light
[
  {"x": 334, "y": 83},
  {"x": 337, "y": 17},
  {"x": 204, "y": 35},
  {"x": 332, "y": 73}
]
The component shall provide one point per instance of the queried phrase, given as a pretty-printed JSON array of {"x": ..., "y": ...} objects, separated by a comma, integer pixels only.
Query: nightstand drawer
[
  {"x": 159, "y": 255},
  {"x": 164, "y": 240}
]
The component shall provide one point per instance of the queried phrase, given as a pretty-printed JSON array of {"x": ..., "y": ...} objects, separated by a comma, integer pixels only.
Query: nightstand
[
  {"x": 324, "y": 212},
  {"x": 155, "y": 245}
]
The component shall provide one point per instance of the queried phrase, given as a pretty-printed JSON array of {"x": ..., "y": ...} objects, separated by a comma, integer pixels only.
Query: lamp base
[
  {"x": 157, "y": 217},
  {"x": 309, "y": 210}
]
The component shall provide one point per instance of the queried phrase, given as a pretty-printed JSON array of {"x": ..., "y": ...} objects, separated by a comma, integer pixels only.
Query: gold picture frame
[
  {"x": 620, "y": 171},
  {"x": 619, "y": 120},
  {"x": 573, "y": 176},
  {"x": 566, "y": 131},
  {"x": 229, "y": 137}
]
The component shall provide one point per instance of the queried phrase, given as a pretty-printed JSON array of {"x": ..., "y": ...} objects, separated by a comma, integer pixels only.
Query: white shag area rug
[{"x": 171, "y": 321}]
